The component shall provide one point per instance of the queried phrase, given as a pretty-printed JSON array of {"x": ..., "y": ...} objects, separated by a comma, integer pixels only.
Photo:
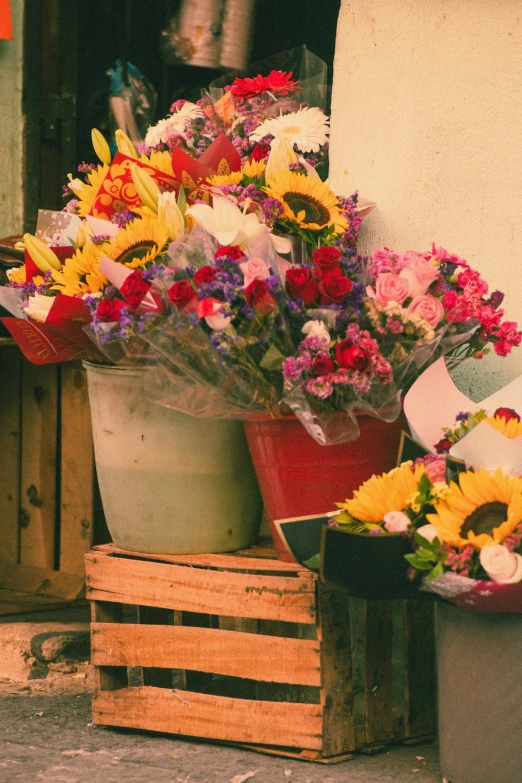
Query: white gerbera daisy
[
  {"x": 307, "y": 129},
  {"x": 174, "y": 124}
]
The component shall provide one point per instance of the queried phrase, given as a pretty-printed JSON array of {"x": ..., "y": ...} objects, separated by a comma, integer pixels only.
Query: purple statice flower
[
  {"x": 462, "y": 416},
  {"x": 294, "y": 367},
  {"x": 99, "y": 239},
  {"x": 495, "y": 300},
  {"x": 123, "y": 218},
  {"x": 84, "y": 168},
  {"x": 143, "y": 149},
  {"x": 66, "y": 191},
  {"x": 111, "y": 291},
  {"x": 272, "y": 210},
  {"x": 71, "y": 205},
  {"x": 297, "y": 168},
  {"x": 375, "y": 531},
  {"x": 153, "y": 272},
  {"x": 91, "y": 302},
  {"x": 142, "y": 321}
]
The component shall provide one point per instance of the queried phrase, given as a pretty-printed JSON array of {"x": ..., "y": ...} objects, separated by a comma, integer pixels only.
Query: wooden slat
[
  {"x": 44, "y": 582},
  {"x": 378, "y": 671},
  {"x": 10, "y": 412},
  {"x": 202, "y": 715},
  {"x": 253, "y": 656},
  {"x": 77, "y": 474},
  {"x": 419, "y": 664},
  {"x": 226, "y": 561},
  {"x": 39, "y": 450},
  {"x": 196, "y": 590},
  {"x": 109, "y": 678},
  {"x": 333, "y": 631},
  {"x": 149, "y": 616}
]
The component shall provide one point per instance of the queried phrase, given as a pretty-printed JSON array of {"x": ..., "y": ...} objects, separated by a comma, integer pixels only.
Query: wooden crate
[
  {"x": 246, "y": 649},
  {"x": 46, "y": 482}
]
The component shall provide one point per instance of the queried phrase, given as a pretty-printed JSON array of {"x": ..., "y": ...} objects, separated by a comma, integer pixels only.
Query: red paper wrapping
[
  {"x": 118, "y": 193},
  {"x": 6, "y": 27},
  {"x": 220, "y": 158}
]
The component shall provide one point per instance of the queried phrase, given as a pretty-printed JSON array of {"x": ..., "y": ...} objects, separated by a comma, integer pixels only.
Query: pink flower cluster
[{"x": 458, "y": 560}]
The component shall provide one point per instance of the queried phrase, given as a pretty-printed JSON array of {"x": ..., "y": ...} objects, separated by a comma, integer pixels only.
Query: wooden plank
[
  {"x": 212, "y": 717},
  {"x": 153, "y": 618},
  {"x": 333, "y": 631},
  {"x": 44, "y": 582},
  {"x": 378, "y": 671},
  {"x": 230, "y": 653},
  {"x": 197, "y": 590},
  {"x": 10, "y": 412},
  {"x": 39, "y": 452},
  {"x": 109, "y": 678},
  {"x": 225, "y": 561},
  {"x": 419, "y": 664},
  {"x": 77, "y": 472}
]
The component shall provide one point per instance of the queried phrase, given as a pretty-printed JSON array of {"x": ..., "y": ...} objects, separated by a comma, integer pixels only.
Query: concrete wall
[
  {"x": 11, "y": 127},
  {"x": 427, "y": 118}
]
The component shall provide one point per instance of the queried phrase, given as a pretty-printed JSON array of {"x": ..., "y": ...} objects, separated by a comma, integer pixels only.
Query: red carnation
[
  {"x": 258, "y": 296},
  {"x": 229, "y": 251},
  {"x": 350, "y": 356},
  {"x": 205, "y": 275},
  {"x": 334, "y": 289},
  {"x": 322, "y": 367},
  {"x": 110, "y": 309},
  {"x": 135, "y": 288},
  {"x": 327, "y": 261},
  {"x": 182, "y": 296},
  {"x": 300, "y": 284},
  {"x": 507, "y": 414},
  {"x": 260, "y": 152}
]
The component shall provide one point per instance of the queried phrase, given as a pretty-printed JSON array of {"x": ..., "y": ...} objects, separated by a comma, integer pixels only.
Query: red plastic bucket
[{"x": 297, "y": 476}]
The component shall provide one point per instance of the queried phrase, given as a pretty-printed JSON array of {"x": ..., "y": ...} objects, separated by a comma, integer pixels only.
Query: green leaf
[
  {"x": 272, "y": 360},
  {"x": 437, "y": 571},
  {"x": 313, "y": 563},
  {"x": 182, "y": 200}
]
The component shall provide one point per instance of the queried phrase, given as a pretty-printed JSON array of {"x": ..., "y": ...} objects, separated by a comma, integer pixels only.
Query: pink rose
[
  {"x": 390, "y": 288},
  {"x": 436, "y": 470},
  {"x": 419, "y": 275},
  {"x": 254, "y": 269},
  {"x": 428, "y": 308}
]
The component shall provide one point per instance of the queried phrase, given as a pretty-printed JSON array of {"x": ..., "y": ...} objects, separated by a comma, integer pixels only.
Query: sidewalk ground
[{"x": 46, "y": 736}]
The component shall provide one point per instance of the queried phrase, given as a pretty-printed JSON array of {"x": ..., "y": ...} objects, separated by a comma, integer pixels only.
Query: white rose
[
  {"x": 396, "y": 522},
  {"x": 316, "y": 329},
  {"x": 500, "y": 564},
  {"x": 429, "y": 532},
  {"x": 218, "y": 322},
  {"x": 38, "y": 307}
]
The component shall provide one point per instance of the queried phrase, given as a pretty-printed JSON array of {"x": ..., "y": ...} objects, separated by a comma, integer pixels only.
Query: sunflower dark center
[
  {"x": 138, "y": 250},
  {"x": 485, "y": 518},
  {"x": 315, "y": 212}
]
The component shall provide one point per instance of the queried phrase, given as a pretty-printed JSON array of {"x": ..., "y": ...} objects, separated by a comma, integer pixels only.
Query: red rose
[
  {"x": 507, "y": 414},
  {"x": 334, "y": 289},
  {"x": 110, "y": 309},
  {"x": 300, "y": 284},
  {"x": 326, "y": 260},
  {"x": 205, "y": 275},
  {"x": 443, "y": 445},
  {"x": 229, "y": 251},
  {"x": 135, "y": 288},
  {"x": 350, "y": 356},
  {"x": 258, "y": 296},
  {"x": 182, "y": 295},
  {"x": 322, "y": 367},
  {"x": 260, "y": 152}
]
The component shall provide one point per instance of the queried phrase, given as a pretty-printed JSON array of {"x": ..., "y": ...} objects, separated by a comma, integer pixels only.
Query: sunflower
[
  {"x": 510, "y": 429},
  {"x": 80, "y": 274},
  {"x": 307, "y": 201},
  {"x": 253, "y": 169},
  {"x": 381, "y": 494},
  {"x": 139, "y": 242},
  {"x": 482, "y": 509},
  {"x": 89, "y": 189}
]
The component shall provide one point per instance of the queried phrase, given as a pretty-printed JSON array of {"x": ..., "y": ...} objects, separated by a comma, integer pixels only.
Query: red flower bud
[
  {"x": 205, "y": 274},
  {"x": 322, "y": 367},
  {"x": 260, "y": 152},
  {"x": 443, "y": 446},
  {"x": 258, "y": 296},
  {"x": 182, "y": 296},
  {"x": 300, "y": 284},
  {"x": 350, "y": 356}
]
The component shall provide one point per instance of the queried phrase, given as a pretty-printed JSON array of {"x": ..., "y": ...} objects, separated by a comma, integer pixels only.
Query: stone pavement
[{"x": 46, "y": 733}]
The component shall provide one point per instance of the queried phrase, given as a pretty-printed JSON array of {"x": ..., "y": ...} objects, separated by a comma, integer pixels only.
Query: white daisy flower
[
  {"x": 174, "y": 123},
  {"x": 307, "y": 129}
]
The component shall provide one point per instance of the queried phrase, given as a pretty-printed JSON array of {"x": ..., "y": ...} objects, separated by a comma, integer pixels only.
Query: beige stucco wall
[
  {"x": 11, "y": 127},
  {"x": 427, "y": 118}
]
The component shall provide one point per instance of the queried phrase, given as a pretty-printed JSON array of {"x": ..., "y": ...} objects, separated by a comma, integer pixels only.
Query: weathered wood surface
[
  {"x": 131, "y": 581},
  {"x": 231, "y": 653},
  {"x": 419, "y": 669},
  {"x": 204, "y": 715},
  {"x": 10, "y": 438},
  {"x": 378, "y": 671}
]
